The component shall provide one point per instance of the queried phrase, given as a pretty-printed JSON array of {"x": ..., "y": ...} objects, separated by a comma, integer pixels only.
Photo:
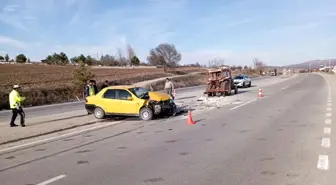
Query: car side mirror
[{"x": 129, "y": 98}]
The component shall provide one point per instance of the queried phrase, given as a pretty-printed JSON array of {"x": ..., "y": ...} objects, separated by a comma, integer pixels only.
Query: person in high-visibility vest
[
  {"x": 90, "y": 89},
  {"x": 95, "y": 87},
  {"x": 15, "y": 101}
]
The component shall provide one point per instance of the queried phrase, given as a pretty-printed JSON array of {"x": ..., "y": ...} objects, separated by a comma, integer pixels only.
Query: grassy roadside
[
  {"x": 64, "y": 93},
  {"x": 67, "y": 93}
]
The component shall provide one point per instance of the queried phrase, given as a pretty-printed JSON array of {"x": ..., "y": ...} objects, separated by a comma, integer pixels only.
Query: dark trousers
[{"x": 15, "y": 113}]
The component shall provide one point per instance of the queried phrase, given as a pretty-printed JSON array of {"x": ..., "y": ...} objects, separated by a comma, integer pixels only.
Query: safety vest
[
  {"x": 91, "y": 90},
  {"x": 15, "y": 99}
]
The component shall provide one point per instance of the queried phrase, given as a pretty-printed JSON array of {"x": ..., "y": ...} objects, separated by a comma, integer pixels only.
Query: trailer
[
  {"x": 220, "y": 82},
  {"x": 273, "y": 72}
]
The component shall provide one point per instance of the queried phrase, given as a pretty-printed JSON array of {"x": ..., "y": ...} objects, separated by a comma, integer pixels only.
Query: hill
[{"x": 314, "y": 64}]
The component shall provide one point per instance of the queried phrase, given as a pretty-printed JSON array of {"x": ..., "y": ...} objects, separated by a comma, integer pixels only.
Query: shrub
[{"x": 81, "y": 76}]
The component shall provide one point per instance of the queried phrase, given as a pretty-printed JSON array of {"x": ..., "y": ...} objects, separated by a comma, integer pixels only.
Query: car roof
[{"x": 121, "y": 87}]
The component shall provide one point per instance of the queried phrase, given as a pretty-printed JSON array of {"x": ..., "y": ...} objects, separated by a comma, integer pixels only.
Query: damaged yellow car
[{"x": 129, "y": 101}]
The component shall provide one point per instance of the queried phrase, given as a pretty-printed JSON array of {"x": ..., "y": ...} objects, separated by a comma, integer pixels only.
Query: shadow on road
[
  {"x": 199, "y": 120},
  {"x": 112, "y": 118},
  {"x": 247, "y": 87},
  {"x": 242, "y": 92},
  {"x": 183, "y": 98}
]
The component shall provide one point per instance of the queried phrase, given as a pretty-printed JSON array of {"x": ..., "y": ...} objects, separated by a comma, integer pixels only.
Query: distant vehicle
[
  {"x": 130, "y": 101},
  {"x": 242, "y": 81},
  {"x": 273, "y": 72}
]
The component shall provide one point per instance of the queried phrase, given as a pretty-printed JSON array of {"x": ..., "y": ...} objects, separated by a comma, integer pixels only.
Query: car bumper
[
  {"x": 165, "y": 108},
  {"x": 239, "y": 84},
  {"x": 89, "y": 108}
]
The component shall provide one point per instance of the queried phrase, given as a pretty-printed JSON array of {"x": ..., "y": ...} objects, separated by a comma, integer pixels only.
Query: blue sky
[{"x": 278, "y": 32}]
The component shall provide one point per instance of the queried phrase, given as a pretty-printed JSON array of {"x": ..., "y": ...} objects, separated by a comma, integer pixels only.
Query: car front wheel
[
  {"x": 99, "y": 113},
  {"x": 146, "y": 114}
]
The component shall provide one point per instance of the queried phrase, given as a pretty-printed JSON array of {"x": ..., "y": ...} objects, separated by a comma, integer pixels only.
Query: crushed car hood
[{"x": 156, "y": 96}]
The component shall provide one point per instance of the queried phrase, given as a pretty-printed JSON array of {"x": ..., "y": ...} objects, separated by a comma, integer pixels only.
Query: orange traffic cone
[
  {"x": 190, "y": 120},
  {"x": 260, "y": 93}
]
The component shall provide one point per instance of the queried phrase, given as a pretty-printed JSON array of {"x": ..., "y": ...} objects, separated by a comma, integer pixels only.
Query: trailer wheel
[
  {"x": 223, "y": 85},
  {"x": 229, "y": 89}
]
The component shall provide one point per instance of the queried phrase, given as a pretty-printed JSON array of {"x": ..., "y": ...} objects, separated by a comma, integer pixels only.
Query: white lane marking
[
  {"x": 329, "y": 109},
  {"x": 326, "y": 130},
  {"x": 285, "y": 87},
  {"x": 329, "y": 104},
  {"x": 329, "y": 101},
  {"x": 298, "y": 81},
  {"x": 243, "y": 104},
  {"x": 327, "y": 121},
  {"x": 328, "y": 114},
  {"x": 325, "y": 142},
  {"x": 52, "y": 180},
  {"x": 59, "y": 137},
  {"x": 323, "y": 162}
]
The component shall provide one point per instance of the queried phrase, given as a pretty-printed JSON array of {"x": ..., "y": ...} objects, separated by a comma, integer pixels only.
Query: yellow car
[{"x": 129, "y": 101}]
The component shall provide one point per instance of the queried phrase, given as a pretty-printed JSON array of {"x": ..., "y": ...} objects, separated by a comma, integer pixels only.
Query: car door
[
  {"x": 125, "y": 105},
  {"x": 109, "y": 101}
]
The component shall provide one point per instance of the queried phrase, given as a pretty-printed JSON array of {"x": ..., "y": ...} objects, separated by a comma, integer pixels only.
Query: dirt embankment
[
  {"x": 190, "y": 80},
  {"x": 44, "y": 84},
  {"x": 65, "y": 92},
  {"x": 179, "y": 82}
]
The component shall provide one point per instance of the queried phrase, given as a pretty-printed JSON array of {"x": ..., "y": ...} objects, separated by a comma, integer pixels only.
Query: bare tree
[
  {"x": 121, "y": 58},
  {"x": 164, "y": 54},
  {"x": 108, "y": 60},
  {"x": 258, "y": 65},
  {"x": 130, "y": 52},
  {"x": 216, "y": 62}
]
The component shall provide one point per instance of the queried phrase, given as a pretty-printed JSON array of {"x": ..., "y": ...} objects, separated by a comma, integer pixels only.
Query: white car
[{"x": 242, "y": 81}]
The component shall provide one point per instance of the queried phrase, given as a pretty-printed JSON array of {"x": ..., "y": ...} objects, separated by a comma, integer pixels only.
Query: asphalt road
[
  {"x": 272, "y": 140},
  {"x": 38, "y": 111}
]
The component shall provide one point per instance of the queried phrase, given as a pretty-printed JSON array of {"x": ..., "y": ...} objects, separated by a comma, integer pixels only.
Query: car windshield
[
  {"x": 139, "y": 91},
  {"x": 239, "y": 77}
]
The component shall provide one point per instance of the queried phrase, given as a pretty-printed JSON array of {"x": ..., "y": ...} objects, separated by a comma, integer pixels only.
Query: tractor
[{"x": 220, "y": 82}]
